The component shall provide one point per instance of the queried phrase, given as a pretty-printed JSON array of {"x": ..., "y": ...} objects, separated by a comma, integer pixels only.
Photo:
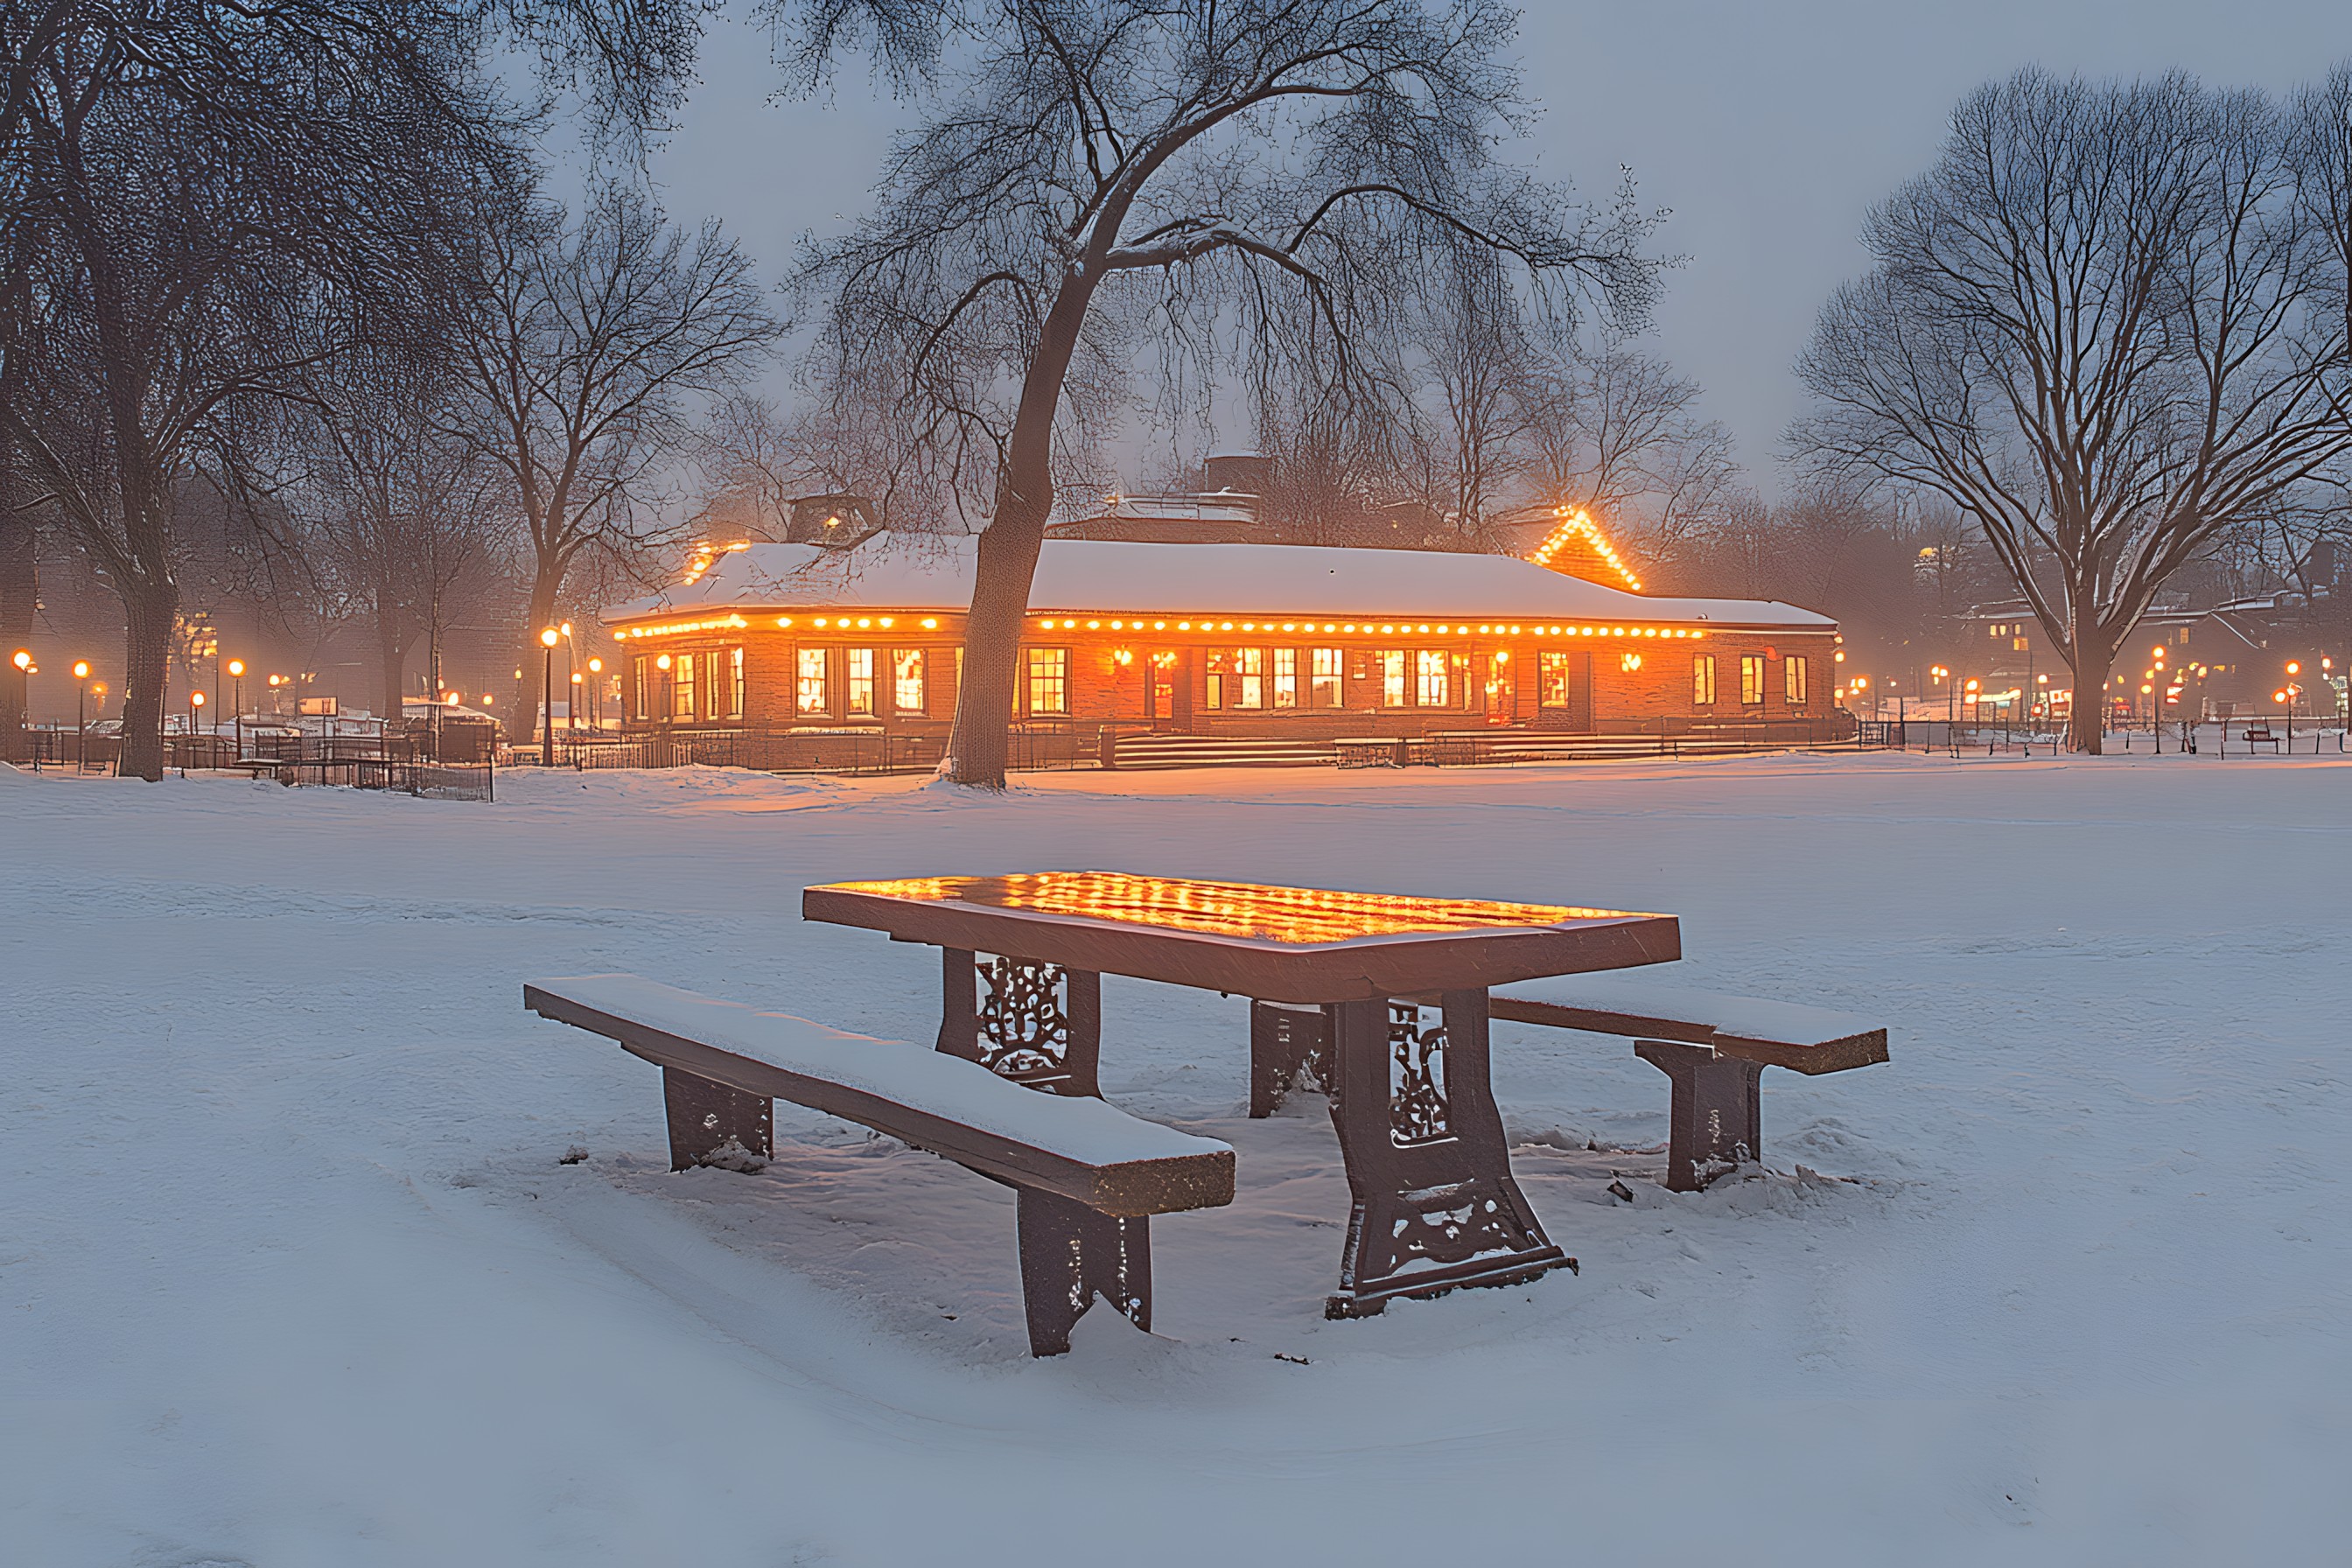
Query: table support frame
[
  {"x": 1036, "y": 1024},
  {"x": 1435, "y": 1205}
]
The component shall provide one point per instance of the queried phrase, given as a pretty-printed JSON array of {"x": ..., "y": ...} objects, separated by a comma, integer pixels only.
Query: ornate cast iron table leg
[
  {"x": 1717, "y": 1116},
  {"x": 1036, "y": 1024},
  {"x": 1284, "y": 1039},
  {"x": 1435, "y": 1208}
]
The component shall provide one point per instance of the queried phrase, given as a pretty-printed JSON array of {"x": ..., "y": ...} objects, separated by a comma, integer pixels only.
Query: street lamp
[
  {"x": 596, "y": 695},
  {"x": 572, "y": 718},
  {"x": 81, "y": 713},
  {"x": 548, "y": 639},
  {"x": 669, "y": 698},
  {"x": 237, "y": 701}
]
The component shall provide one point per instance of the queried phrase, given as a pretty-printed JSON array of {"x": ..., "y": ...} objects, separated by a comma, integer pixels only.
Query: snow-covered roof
[{"x": 1188, "y": 580}]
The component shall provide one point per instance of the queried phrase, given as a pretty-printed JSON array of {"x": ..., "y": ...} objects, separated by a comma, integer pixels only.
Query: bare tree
[
  {"x": 1618, "y": 434},
  {"x": 596, "y": 342},
  {"x": 1113, "y": 169},
  {"x": 399, "y": 510},
  {"x": 2094, "y": 325},
  {"x": 210, "y": 197}
]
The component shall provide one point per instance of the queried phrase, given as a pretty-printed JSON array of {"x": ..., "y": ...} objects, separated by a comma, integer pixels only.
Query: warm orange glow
[
  {"x": 236, "y": 668},
  {"x": 672, "y": 628},
  {"x": 22, "y": 658},
  {"x": 550, "y": 637},
  {"x": 1576, "y": 523},
  {"x": 195, "y": 698},
  {"x": 81, "y": 669},
  {"x": 1290, "y": 915},
  {"x": 595, "y": 666}
]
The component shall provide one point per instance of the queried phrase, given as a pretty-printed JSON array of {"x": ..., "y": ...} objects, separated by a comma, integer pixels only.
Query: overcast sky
[{"x": 1767, "y": 128}]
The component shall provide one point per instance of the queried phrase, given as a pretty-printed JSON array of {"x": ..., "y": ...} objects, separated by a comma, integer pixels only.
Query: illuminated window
[
  {"x": 816, "y": 684},
  {"x": 1428, "y": 682},
  {"x": 1751, "y": 679},
  {"x": 682, "y": 687},
  {"x": 1393, "y": 688},
  {"x": 642, "y": 690},
  {"x": 859, "y": 687},
  {"x": 1326, "y": 690},
  {"x": 735, "y": 683},
  {"x": 1554, "y": 679},
  {"x": 1702, "y": 680},
  {"x": 1794, "y": 680},
  {"x": 1236, "y": 677},
  {"x": 1049, "y": 681},
  {"x": 1285, "y": 677},
  {"x": 907, "y": 680}
]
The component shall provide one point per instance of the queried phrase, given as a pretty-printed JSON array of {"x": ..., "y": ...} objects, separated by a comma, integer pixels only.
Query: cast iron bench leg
[
  {"x": 1284, "y": 1039},
  {"x": 705, "y": 1117},
  {"x": 1717, "y": 1120},
  {"x": 1435, "y": 1205},
  {"x": 1069, "y": 1254}
]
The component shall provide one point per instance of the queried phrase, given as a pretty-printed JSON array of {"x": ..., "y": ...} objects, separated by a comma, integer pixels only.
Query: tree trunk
[
  {"x": 2086, "y": 726},
  {"x": 19, "y": 592},
  {"x": 532, "y": 656},
  {"x": 1005, "y": 561},
  {"x": 392, "y": 640},
  {"x": 150, "y": 603}
]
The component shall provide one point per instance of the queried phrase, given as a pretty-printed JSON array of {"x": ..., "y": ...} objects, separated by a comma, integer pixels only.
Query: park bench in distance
[
  {"x": 2261, "y": 735},
  {"x": 1713, "y": 1047},
  {"x": 1087, "y": 1175}
]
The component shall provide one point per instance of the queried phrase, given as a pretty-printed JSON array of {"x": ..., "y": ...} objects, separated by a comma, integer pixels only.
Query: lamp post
[
  {"x": 195, "y": 712},
  {"x": 669, "y": 698},
  {"x": 548, "y": 639},
  {"x": 23, "y": 660},
  {"x": 81, "y": 713},
  {"x": 236, "y": 706},
  {"x": 596, "y": 695}
]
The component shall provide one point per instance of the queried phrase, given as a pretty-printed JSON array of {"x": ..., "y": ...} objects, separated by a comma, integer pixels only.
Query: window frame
[
  {"x": 1333, "y": 682},
  {"x": 806, "y": 685},
  {"x": 1432, "y": 670},
  {"x": 921, "y": 658},
  {"x": 684, "y": 696},
  {"x": 1751, "y": 679},
  {"x": 1703, "y": 684},
  {"x": 1285, "y": 677},
  {"x": 1796, "y": 680},
  {"x": 858, "y": 691},
  {"x": 1044, "y": 670}
]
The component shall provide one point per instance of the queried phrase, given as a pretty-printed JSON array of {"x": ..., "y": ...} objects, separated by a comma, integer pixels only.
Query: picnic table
[{"x": 1435, "y": 1205}]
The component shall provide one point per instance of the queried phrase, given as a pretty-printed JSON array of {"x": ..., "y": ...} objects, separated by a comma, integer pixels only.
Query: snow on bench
[
  {"x": 1713, "y": 1047},
  {"x": 1777, "y": 1034},
  {"x": 1089, "y": 1176}
]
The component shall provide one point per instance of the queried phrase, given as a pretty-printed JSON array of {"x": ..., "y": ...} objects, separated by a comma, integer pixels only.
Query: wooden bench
[
  {"x": 2261, "y": 735},
  {"x": 1371, "y": 750},
  {"x": 259, "y": 767},
  {"x": 1713, "y": 1047},
  {"x": 1087, "y": 1175}
]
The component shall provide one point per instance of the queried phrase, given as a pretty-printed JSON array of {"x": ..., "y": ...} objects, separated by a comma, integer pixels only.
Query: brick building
[{"x": 1215, "y": 639}]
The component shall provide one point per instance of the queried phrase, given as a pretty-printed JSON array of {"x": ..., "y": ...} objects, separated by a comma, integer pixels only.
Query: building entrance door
[{"x": 1168, "y": 690}]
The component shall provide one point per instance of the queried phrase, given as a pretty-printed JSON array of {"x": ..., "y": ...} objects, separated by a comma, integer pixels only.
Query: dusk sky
[{"x": 1768, "y": 130}]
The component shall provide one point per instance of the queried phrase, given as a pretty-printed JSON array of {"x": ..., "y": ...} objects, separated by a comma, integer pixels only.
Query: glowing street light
[
  {"x": 548, "y": 639},
  {"x": 596, "y": 694}
]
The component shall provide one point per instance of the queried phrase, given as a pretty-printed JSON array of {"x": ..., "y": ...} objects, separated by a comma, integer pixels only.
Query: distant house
[{"x": 1221, "y": 636}]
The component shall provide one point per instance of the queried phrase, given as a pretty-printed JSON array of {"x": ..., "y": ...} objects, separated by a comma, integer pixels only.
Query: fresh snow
[
  {"x": 917, "y": 1076},
  {"x": 1652, "y": 994},
  {"x": 1106, "y": 577},
  {"x": 292, "y": 1270}
]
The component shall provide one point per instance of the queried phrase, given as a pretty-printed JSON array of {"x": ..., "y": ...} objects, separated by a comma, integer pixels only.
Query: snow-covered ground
[{"x": 291, "y": 1272}]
